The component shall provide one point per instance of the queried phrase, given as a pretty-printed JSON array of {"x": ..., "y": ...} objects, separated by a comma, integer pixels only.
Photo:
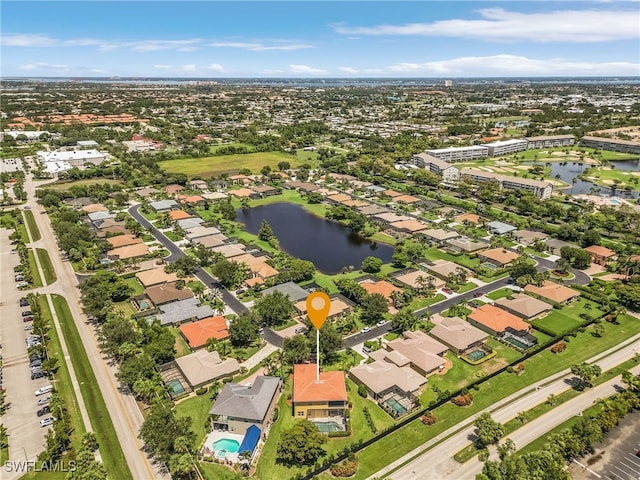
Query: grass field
[
  {"x": 47, "y": 267},
  {"x": 110, "y": 449},
  {"x": 31, "y": 224},
  {"x": 196, "y": 407},
  {"x": 214, "y": 166},
  {"x": 63, "y": 383},
  {"x": 81, "y": 183},
  {"x": 33, "y": 268},
  {"x": 135, "y": 285},
  {"x": 568, "y": 318}
]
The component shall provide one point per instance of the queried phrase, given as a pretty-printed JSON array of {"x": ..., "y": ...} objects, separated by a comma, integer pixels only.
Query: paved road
[
  {"x": 438, "y": 461},
  {"x": 176, "y": 252},
  {"x": 122, "y": 407}
]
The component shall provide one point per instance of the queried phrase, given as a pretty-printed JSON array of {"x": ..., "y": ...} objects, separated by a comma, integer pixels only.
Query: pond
[
  {"x": 567, "y": 171},
  {"x": 328, "y": 244},
  {"x": 626, "y": 165}
]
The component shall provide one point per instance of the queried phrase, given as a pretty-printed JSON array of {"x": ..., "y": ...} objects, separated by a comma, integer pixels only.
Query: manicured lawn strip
[
  {"x": 135, "y": 285},
  {"x": 81, "y": 183},
  {"x": 4, "y": 455},
  {"x": 110, "y": 449},
  {"x": 418, "y": 302},
  {"x": 580, "y": 348},
  {"x": 501, "y": 293},
  {"x": 172, "y": 236},
  {"x": 47, "y": 267},
  {"x": 31, "y": 224},
  {"x": 197, "y": 408},
  {"x": 36, "y": 281},
  {"x": 568, "y": 318},
  {"x": 434, "y": 253},
  {"x": 21, "y": 228},
  {"x": 288, "y": 324},
  {"x": 214, "y": 471},
  {"x": 213, "y": 166},
  {"x": 181, "y": 346},
  {"x": 63, "y": 385}
]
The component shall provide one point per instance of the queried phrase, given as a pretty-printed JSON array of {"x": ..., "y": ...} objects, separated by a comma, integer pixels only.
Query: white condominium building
[
  {"x": 539, "y": 188},
  {"x": 550, "y": 141},
  {"x": 460, "y": 154},
  {"x": 505, "y": 147},
  {"x": 448, "y": 172},
  {"x": 602, "y": 143}
]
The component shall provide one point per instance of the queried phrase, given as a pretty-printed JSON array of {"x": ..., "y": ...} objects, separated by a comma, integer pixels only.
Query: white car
[
  {"x": 45, "y": 422},
  {"x": 381, "y": 323},
  {"x": 43, "y": 390},
  {"x": 365, "y": 329}
]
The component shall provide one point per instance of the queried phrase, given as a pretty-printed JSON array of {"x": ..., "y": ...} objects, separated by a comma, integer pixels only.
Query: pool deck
[{"x": 216, "y": 435}]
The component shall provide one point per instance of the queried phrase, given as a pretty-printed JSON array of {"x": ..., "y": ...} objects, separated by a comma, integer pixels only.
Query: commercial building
[{"x": 75, "y": 158}]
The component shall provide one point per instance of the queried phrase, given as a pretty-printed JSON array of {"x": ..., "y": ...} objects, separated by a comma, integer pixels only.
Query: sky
[{"x": 213, "y": 39}]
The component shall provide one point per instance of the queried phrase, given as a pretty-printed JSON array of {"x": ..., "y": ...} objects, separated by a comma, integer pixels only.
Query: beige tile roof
[
  {"x": 155, "y": 276},
  {"x": 523, "y": 305},
  {"x": 456, "y": 332},
  {"x": 553, "y": 291}
]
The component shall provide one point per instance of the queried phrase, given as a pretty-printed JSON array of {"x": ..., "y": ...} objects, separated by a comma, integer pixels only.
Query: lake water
[
  {"x": 627, "y": 165},
  {"x": 570, "y": 170},
  {"x": 328, "y": 244}
]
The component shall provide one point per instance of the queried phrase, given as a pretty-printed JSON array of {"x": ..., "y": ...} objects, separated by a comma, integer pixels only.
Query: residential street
[
  {"x": 122, "y": 407},
  {"x": 438, "y": 462}
]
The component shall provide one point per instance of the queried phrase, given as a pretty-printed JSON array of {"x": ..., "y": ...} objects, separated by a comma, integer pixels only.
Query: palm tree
[
  {"x": 198, "y": 289},
  {"x": 574, "y": 180}
]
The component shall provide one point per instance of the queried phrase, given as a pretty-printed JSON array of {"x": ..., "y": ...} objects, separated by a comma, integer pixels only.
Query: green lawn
[
  {"x": 33, "y": 267},
  {"x": 214, "y": 166},
  {"x": 196, "y": 407},
  {"x": 568, "y": 318},
  {"x": 47, "y": 267},
  {"x": 21, "y": 228},
  {"x": 64, "y": 388},
  {"x": 214, "y": 471},
  {"x": 82, "y": 183},
  {"x": 172, "y": 236},
  {"x": 110, "y": 449},
  {"x": 135, "y": 285},
  {"x": 31, "y": 224},
  {"x": 501, "y": 293},
  {"x": 420, "y": 302},
  {"x": 434, "y": 253},
  {"x": 181, "y": 346}
]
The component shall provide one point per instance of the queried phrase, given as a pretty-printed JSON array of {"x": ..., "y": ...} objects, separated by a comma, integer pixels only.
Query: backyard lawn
[
  {"x": 135, "y": 285},
  {"x": 568, "y": 318},
  {"x": 196, "y": 407}
]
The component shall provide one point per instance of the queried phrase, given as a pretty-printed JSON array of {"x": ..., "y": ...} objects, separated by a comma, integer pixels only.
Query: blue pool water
[{"x": 230, "y": 446}]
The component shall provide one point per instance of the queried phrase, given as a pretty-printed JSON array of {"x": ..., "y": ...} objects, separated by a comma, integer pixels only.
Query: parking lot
[
  {"x": 617, "y": 457},
  {"x": 26, "y": 436}
]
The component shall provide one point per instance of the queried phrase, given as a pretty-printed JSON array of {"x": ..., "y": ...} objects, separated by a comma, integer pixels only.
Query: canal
[{"x": 328, "y": 244}]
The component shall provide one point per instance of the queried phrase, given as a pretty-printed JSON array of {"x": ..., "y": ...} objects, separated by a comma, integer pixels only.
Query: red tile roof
[
  {"x": 197, "y": 333},
  {"x": 330, "y": 388}
]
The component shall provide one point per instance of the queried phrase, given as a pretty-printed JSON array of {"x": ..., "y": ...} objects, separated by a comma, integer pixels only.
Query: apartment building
[
  {"x": 448, "y": 172},
  {"x": 624, "y": 146},
  {"x": 539, "y": 188},
  {"x": 460, "y": 154},
  {"x": 550, "y": 141},
  {"x": 506, "y": 147}
]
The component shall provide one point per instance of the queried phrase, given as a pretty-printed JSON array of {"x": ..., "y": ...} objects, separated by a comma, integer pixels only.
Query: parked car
[
  {"x": 240, "y": 291},
  {"x": 365, "y": 330},
  {"x": 447, "y": 290},
  {"x": 37, "y": 375},
  {"x": 381, "y": 323},
  {"x": 478, "y": 294},
  {"x": 24, "y": 302},
  {"x": 22, "y": 284},
  {"x": 43, "y": 411},
  {"x": 28, "y": 326},
  {"x": 27, "y": 319},
  {"x": 26, "y": 313},
  {"x": 43, "y": 390},
  {"x": 45, "y": 422},
  {"x": 44, "y": 401},
  {"x": 300, "y": 330}
]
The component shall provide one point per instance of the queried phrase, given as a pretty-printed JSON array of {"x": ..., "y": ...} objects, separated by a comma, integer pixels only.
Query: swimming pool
[
  {"x": 224, "y": 446},
  {"x": 476, "y": 355},
  {"x": 143, "y": 304},
  {"x": 328, "y": 426},
  {"x": 614, "y": 201}
]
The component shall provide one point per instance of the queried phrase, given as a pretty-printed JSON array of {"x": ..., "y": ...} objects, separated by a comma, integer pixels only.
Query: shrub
[
  {"x": 362, "y": 391},
  {"x": 345, "y": 468},
  {"x": 519, "y": 368},
  {"x": 463, "y": 400},
  {"x": 201, "y": 391},
  {"x": 276, "y": 412},
  {"x": 367, "y": 415},
  {"x": 559, "y": 347},
  {"x": 428, "y": 419}
]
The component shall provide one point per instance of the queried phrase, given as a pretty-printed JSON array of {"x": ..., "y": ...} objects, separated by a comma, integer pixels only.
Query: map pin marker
[{"x": 318, "y": 305}]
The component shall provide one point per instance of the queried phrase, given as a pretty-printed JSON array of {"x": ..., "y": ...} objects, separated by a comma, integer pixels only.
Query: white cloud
[
  {"x": 261, "y": 47},
  {"x": 154, "y": 45},
  {"x": 513, "y": 65},
  {"x": 306, "y": 70},
  {"x": 39, "y": 41},
  {"x": 348, "y": 70},
  {"x": 215, "y": 67},
  {"x": 45, "y": 41},
  {"x": 163, "y": 67},
  {"x": 43, "y": 66},
  {"x": 499, "y": 24},
  {"x": 190, "y": 68}
]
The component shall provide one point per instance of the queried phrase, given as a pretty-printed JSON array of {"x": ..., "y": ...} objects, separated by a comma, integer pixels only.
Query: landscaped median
[
  {"x": 47, "y": 267},
  {"x": 31, "y": 225},
  {"x": 110, "y": 449}
]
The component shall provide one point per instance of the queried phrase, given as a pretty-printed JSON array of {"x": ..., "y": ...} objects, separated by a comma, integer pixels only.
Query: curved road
[{"x": 176, "y": 253}]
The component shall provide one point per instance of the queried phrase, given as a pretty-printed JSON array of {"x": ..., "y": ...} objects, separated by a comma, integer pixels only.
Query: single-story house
[
  {"x": 94, "y": 207},
  {"x": 155, "y": 276},
  {"x": 554, "y": 245},
  {"x": 529, "y": 237},
  {"x": 339, "y": 198},
  {"x": 500, "y": 228},
  {"x": 123, "y": 240},
  {"x": 183, "y": 310},
  {"x": 200, "y": 231},
  {"x": 338, "y": 305},
  {"x": 194, "y": 199},
  {"x": 524, "y": 306},
  {"x": 456, "y": 333},
  {"x": 244, "y": 193},
  {"x": 189, "y": 223},
  {"x": 412, "y": 279},
  {"x": 290, "y": 289},
  {"x": 438, "y": 236},
  {"x": 409, "y": 226},
  {"x": 553, "y": 292},
  {"x": 466, "y": 245},
  {"x": 383, "y": 378},
  {"x": 601, "y": 255},
  {"x": 176, "y": 215},
  {"x": 229, "y": 251},
  {"x": 304, "y": 186},
  {"x": 390, "y": 217},
  {"x": 171, "y": 190},
  {"x": 197, "y": 333},
  {"x": 467, "y": 217},
  {"x": 201, "y": 367},
  {"x": 210, "y": 241},
  {"x": 408, "y": 199},
  {"x": 443, "y": 268},
  {"x": 382, "y": 287},
  {"x": 372, "y": 209},
  {"x": 214, "y": 196},
  {"x": 128, "y": 251},
  {"x": 146, "y": 192},
  {"x": 238, "y": 407},
  {"x": 499, "y": 257},
  {"x": 265, "y": 190},
  {"x": 163, "y": 205},
  {"x": 423, "y": 352},
  {"x": 495, "y": 321},
  {"x": 167, "y": 293},
  {"x": 198, "y": 184}
]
